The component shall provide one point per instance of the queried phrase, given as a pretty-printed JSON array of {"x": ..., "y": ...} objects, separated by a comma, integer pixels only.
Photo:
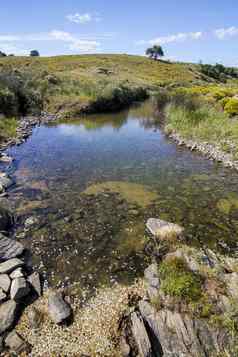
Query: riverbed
[{"x": 85, "y": 188}]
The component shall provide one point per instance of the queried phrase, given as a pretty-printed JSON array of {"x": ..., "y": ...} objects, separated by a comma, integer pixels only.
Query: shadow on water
[{"x": 90, "y": 184}]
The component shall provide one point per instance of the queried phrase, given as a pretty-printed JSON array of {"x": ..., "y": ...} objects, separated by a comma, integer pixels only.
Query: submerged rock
[
  {"x": 9, "y": 248},
  {"x": 7, "y": 315},
  {"x": 59, "y": 310},
  {"x": 6, "y": 219},
  {"x": 163, "y": 229}
]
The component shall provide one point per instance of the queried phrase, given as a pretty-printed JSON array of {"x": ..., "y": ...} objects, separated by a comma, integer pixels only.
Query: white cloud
[
  {"x": 222, "y": 33},
  {"x": 74, "y": 42},
  {"x": 83, "y": 18},
  {"x": 179, "y": 37}
]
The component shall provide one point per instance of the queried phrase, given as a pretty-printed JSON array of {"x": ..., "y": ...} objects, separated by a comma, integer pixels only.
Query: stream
[{"x": 89, "y": 186}]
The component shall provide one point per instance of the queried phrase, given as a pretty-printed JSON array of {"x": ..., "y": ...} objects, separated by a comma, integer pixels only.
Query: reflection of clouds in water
[{"x": 71, "y": 130}]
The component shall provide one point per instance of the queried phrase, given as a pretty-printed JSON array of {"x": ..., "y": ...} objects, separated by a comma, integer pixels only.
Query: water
[{"x": 99, "y": 237}]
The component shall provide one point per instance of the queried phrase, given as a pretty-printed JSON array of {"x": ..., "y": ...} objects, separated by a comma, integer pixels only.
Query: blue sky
[{"x": 188, "y": 30}]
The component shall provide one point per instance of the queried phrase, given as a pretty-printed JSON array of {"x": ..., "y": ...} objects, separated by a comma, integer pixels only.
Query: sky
[{"x": 191, "y": 31}]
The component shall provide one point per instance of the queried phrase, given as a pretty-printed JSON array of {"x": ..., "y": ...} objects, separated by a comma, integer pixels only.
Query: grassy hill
[{"x": 70, "y": 83}]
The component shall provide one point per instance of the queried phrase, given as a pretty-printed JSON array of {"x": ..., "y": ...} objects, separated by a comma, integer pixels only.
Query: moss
[
  {"x": 178, "y": 281},
  {"x": 131, "y": 192},
  {"x": 225, "y": 205}
]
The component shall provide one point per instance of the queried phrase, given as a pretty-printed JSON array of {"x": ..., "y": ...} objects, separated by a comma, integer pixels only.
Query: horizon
[{"x": 70, "y": 28}]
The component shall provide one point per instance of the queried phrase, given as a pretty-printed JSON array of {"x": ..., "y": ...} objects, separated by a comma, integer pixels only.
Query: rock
[
  {"x": 163, "y": 229},
  {"x": 5, "y": 158},
  {"x": 30, "y": 221},
  {"x": 187, "y": 257},
  {"x": 59, "y": 311},
  {"x": 152, "y": 279},
  {"x": 19, "y": 288},
  {"x": 140, "y": 336},
  {"x": 16, "y": 344},
  {"x": 9, "y": 248},
  {"x": 6, "y": 181},
  {"x": 18, "y": 273},
  {"x": 34, "y": 317},
  {"x": 5, "y": 282},
  {"x": 34, "y": 280},
  {"x": 176, "y": 334},
  {"x": 10, "y": 265},
  {"x": 2, "y": 295},
  {"x": 6, "y": 219},
  {"x": 7, "y": 315},
  {"x": 231, "y": 281},
  {"x": 1, "y": 344},
  {"x": 124, "y": 347}
]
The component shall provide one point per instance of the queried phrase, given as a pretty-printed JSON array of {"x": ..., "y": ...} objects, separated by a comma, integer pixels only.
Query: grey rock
[
  {"x": 9, "y": 248},
  {"x": 18, "y": 273},
  {"x": 231, "y": 281},
  {"x": 34, "y": 280},
  {"x": 10, "y": 265},
  {"x": 152, "y": 280},
  {"x": 16, "y": 344},
  {"x": 30, "y": 221},
  {"x": 124, "y": 347},
  {"x": 176, "y": 334},
  {"x": 6, "y": 219},
  {"x": 7, "y": 315},
  {"x": 1, "y": 344},
  {"x": 19, "y": 288},
  {"x": 5, "y": 158},
  {"x": 59, "y": 310},
  {"x": 5, "y": 282},
  {"x": 2, "y": 295},
  {"x": 140, "y": 336},
  {"x": 6, "y": 181},
  {"x": 163, "y": 229},
  {"x": 188, "y": 258}
]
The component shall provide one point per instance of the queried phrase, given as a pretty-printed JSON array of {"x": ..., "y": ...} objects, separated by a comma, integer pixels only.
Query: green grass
[
  {"x": 178, "y": 281},
  {"x": 8, "y": 128}
]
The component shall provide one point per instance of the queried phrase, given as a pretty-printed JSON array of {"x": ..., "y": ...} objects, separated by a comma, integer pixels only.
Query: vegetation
[
  {"x": 155, "y": 52},
  {"x": 178, "y": 281},
  {"x": 8, "y": 128},
  {"x": 34, "y": 53},
  {"x": 218, "y": 72}
]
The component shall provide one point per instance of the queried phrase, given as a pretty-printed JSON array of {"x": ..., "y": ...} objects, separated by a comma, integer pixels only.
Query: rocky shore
[{"x": 210, "y": 151}]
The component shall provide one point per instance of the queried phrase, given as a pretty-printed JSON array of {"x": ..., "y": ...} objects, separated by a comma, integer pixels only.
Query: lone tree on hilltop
[
  {"x": 155, "y": 52},
  {"x": 34, "y": 53}
]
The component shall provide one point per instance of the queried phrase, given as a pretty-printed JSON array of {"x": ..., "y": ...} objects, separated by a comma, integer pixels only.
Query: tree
[
  {"x": 34, "y": 53},
  {"x": 155, "y": 52},
  {"x": 2, "y": 54}
]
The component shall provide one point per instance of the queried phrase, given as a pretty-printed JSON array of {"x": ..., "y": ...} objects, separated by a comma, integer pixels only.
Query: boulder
[
  {"x": 10, "y": 265},
  {"x": 19, "y": 288},
  {"x": 7, "y": 315},
  {"x": 5, "y": 282},
  {"x": 34, "y": 317},
  {"x": 6, "y": 219},
  {"x": 140, "y": 336},
  {"x": 2, "y": 295},
  {"x": 34, "y": 280},
  {"x": 18, "y": 273},
  {"x": 9, "y": 248},
  {"x": 16, "y": 344},
  {"x": 163, "y": 229},
  {"x": 152, "y": 280},
  {"x": 59, "y": 310}
]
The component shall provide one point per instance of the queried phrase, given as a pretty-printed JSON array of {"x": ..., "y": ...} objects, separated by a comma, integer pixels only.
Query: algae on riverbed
[{"x": 131, "y": 192}]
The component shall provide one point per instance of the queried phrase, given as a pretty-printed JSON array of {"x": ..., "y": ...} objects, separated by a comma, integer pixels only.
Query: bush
[
  {"x": 231, "y": 106},
  {"x": 178, "y": 281}
]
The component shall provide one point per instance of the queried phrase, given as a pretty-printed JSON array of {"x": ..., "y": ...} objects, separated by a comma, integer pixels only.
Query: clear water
[{"x": 101, "y": 238}]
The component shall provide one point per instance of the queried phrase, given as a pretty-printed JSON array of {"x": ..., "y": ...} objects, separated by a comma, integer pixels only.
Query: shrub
[
  {"x": 178, "y": 281},
  {"x": 231, "y": 106}
]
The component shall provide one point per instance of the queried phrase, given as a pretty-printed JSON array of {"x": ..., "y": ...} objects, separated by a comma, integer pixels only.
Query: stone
[
  {"x": 124, "y": 347},
  {"x": 59, "y": 310},
  {"x": 187, "y": 257},
  {"x": 34, "y": 280},
  {"x": 140, "y": 336},
  {"x": 6, "y": 218},
  {"x": 231, "y": 281},
  {"x": 163, "y": 229},
  {"x": 16, "y": 344},
  {"x": 5, "y": 282},
  {"x": 9, "y": 248},
  {"x": 19, "y": 288},
  {"x": 2, "y": 295},
  {"x": 5, "y": 158},
  {"x": 7, "y": 315},
  {"x": 18, "y": 273},
  {"x": 152, "y": 280},
  {"x": 35, "y": 317},
  {"x": 10, "y": 265},
  {"x": 30, "y": 221},
  {"x": 6, "y": 181}
]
